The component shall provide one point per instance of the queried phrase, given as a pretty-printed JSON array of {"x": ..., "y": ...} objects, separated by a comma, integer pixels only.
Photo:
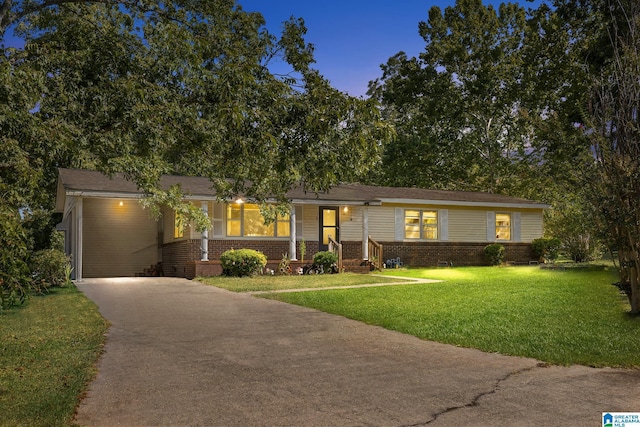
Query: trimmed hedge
[
  {"x": 326, "y": 259},
  {"x": 494, "y": 253},
  {"x": 242, "y": 262},
  {"x": 546, "y": 249}
]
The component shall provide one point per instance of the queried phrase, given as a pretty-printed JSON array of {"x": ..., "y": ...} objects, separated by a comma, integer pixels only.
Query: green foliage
[
  {"x": 303, "y": 250},
  {"x": 15, "y": 276},
  {"x": 546, "y": 248},
  {"x": 178, "y": 87},
  {"x": 613, "y": 179},
  {"x": 454, "y": 106},
  {"x": 326, "y": 259},
  {"x": 173, "y": 198},
  {"x": 494, "y": 253},
  {"x": 571, "y": 220},
  {"x": 242, "y": 262},
  {"x": 50, "y": 267},
  {"x": 284, "y": 266},
  {"x": 40, "y": 225}
]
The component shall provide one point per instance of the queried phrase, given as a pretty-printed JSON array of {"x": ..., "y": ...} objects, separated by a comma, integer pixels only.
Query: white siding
[
  {"x": 351, "y": 224},
  {"x": 531, "y": 226},
  {"x": 310, "y": 223},
  {"x": 443, "y": 224},
  {"x": 467, "y": 225},
  {"x": 516, "y": 227},
  {"x": 217, "y": 213},
  {"x": 382, "y": 223},
  {"x": 117, "y": 240}
]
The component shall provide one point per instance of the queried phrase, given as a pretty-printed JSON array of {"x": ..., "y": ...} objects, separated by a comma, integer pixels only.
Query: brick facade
[
  {"x": 182, "y": 259},
  {"x": 273, "y": 249},
  {"x": 430, "y": 254},
  {"x": 175, "y": 256}
]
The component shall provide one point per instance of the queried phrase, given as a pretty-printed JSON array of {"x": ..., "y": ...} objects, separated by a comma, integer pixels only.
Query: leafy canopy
[{"x": 185, "y": 87}]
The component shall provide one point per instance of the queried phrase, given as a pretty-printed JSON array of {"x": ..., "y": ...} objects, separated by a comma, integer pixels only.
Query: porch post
[
  {"x": 78, "y": 239},
  {"x": 293, "y": 256},
  {"x": 204, "y": 241},
  {"x": 365, "y": 232}
]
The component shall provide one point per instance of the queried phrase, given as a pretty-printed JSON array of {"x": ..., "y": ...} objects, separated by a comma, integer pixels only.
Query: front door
[{"x": 329, "y": 226}]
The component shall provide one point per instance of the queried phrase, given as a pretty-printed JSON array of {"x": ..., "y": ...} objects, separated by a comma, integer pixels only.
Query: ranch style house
[{"x": 109, "y": 234}]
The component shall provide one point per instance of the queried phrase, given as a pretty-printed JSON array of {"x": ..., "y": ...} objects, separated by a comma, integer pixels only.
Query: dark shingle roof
[{"x": 92, "y": 183}]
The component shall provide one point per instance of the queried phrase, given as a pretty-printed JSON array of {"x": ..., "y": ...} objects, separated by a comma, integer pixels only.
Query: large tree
[
  {"x": 147, "y": 88},
  {"x": 457, "y": 107},
  {"x": 612, "y": 125}
]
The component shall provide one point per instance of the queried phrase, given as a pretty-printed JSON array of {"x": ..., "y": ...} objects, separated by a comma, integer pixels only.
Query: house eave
[
  {"x": 329, "y": 202},
  {"x": 501, "y": 205},
  {"x": 124, "y": 195}
]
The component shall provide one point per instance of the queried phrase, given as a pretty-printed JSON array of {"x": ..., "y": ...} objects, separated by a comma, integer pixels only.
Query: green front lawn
[
  {"x": 276, "y": 283},
  {"x": 48, "y": 351},
  {"x": 560, "y": 317}
]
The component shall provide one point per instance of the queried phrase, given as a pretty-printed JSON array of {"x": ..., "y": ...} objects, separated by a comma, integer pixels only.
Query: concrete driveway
[{"x": 180, "y": 353}]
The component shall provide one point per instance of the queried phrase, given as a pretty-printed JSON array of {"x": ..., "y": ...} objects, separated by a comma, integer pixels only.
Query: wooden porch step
[{"x": 356, "y": 266}]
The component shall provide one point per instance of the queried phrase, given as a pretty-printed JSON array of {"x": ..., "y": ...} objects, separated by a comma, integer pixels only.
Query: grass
[
  {"x": 48, "y": 351},
  {"x": 276, "y": 283},
  {"x": 559, "y": 316}
]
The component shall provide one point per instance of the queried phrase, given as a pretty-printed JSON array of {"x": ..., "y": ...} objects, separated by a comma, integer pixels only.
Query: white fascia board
[
  {"x": 334, "y": 202},
  {"x": 104, "y": 194},
  {"x": 117, "y": 195},
  {"x": 466, "y": 203},
  {"x": 69, "y": 204}
]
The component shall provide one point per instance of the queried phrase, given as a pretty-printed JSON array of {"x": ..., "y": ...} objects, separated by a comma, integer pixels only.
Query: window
[
  {"x": 503, "y": 226},
  {"x": 420, "y": 224},
  {"x": 245, "y": 220},
  {"x": 178, "y": 226}
]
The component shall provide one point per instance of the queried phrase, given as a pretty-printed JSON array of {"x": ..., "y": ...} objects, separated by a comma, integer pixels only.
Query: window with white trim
[
  {"x": 420, "y": 224},
  {"x": 245, "y": 220},
  {"x": 503, "y": 226}
]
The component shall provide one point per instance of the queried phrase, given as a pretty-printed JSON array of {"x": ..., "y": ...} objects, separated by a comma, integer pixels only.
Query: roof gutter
[
  {"x": 123, "y": 195},
  {"x": 466, "y": 203}
]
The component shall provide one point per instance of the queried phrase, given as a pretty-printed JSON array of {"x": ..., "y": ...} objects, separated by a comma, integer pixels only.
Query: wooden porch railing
[
  {"x": 336, "y": 248},
  {"x": 375, "y": 254}
]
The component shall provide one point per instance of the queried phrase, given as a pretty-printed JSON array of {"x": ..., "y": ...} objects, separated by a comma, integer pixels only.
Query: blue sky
[{"x": 352, "y": 37}]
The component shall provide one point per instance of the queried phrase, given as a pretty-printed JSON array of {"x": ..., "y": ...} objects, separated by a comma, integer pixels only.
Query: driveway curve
[{"x": 182, "y": 353}]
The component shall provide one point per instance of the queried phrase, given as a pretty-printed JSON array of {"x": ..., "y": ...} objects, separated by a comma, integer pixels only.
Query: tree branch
[{"x": 9, "y": 17}]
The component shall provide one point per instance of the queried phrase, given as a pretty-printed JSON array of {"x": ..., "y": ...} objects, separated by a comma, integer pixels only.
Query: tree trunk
[{"x": 634, "y": 298}]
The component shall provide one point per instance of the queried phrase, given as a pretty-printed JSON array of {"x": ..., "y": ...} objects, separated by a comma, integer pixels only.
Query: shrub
[
  {"x": 494, "y": 253},
  {"x": 50, "y": 267},
  {"x": 546, "y": 249},
  {"x": 15, "y": 277},
  {"x": 326, "y": 259},
  {"x": 303, "y": 250},
  {"x": 242, "y": 262}
]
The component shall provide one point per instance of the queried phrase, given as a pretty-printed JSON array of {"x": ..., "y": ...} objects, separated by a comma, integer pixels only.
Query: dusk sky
[{"x": 352, "y": 38}]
